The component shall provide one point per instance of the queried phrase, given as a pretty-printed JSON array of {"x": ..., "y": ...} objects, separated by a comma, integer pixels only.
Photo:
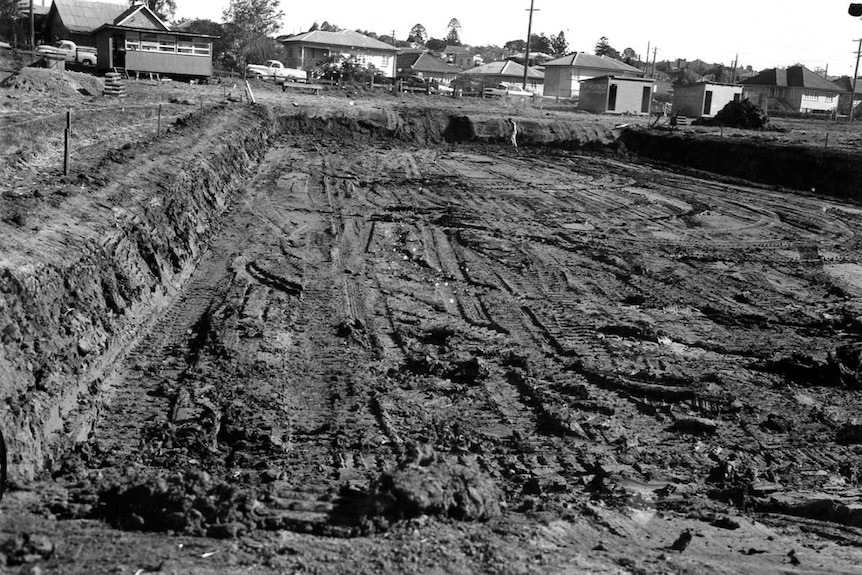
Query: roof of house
[
  {"x": 456, "y": 50},
  {"x": 584, "y": 60},
  {"x": 708, "y": 83},
  {"x": 793, "y": 77},
  {"x": 619, "y": 78},
  {"x": 83, "y": 16},
  {"x": 140, "y": 16},
  {"x": 507, "y": 68},
  {"x": 846, "y": 84},
  {"x": 425, "y": 62},
  {"x": 344, "y": 39}
]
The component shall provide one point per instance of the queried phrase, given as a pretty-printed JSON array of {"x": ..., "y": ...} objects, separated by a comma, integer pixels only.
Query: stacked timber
[{"x": 114, "y": 85}]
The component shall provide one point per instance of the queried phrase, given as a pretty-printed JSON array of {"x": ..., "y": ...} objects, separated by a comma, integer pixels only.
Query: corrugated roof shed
[
  {"x": 345, "y": 39},
  {"x": 584, "y": 60},
  {"x": 507, "y": 68},
  {"x": 793, "y": 77},
  {"x": 84, "y": 16}
]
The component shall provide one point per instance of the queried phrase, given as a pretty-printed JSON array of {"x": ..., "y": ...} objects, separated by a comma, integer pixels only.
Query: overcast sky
[{"x": 765, "y": 33}]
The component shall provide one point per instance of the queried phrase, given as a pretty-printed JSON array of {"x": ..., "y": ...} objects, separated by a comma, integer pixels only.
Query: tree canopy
[
  {"x": 453, "y": 35},
  {"x": 248, "y": 24},
  {"x": 418, "y": 34},
  {"x": 559, "y": 44},
  {"x": 164, "y": 9}
]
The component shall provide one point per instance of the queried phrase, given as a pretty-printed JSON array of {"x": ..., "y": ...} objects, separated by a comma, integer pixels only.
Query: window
[
  {"x": 202, "y": 47},
  {"x": 185, "y": 47},
  {"x": 149, "y": 43},
  {"x": 133, "y": 41}
]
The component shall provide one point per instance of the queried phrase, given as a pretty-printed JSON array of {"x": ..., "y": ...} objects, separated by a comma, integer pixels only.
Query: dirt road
[{"x": 461, "y": 358}]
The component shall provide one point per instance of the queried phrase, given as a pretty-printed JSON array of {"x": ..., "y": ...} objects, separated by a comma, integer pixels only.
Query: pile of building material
[
  {"x": 114, "y": 85},
  {"x": 744, "y": 114}
]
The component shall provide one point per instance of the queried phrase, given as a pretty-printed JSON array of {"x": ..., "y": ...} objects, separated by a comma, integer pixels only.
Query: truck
[
  {"x": 84, "y": 55},
  {"x": 503, "y": 89},
  {"x": 275, "y": 70}
]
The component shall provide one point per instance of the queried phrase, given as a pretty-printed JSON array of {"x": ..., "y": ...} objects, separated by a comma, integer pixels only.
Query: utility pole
[
  {"x": 527, "y": 52},
  {"x": 735, "y": 63},
  {"x": 654, "y": 52},
  {"x": 646, "y": 63},
  {"x": 855, "y": 74},
  {"x": 32, "y": 29}
]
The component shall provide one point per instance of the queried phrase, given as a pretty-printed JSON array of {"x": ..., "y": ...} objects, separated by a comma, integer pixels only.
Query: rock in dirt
[
  {"x": 27, "y": 548},
  {"x": 440, "y": 488},
  {"x": 695, "y": 426}
]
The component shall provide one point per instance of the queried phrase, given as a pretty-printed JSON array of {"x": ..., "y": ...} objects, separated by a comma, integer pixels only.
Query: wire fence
[{"x": 57, "y": 139}]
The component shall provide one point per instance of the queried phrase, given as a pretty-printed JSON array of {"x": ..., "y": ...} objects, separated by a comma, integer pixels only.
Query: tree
[
  {"x": 540, "y": 43},
  {"x": 515, "y": 45},
  {"x": 559, "y": 44},
  {"x": 248, "y": 24},
  {"x": 164, "y": 9},
  {"x": 436, "y": 44},
  {"x": 418, "y": 34},
  {"x": 602, "y": 46},
  {"x": 221, "y": 45},
  {"x": 630, "y": 57},
  {"x": 327, "y": 27},
  {"x": 453, "y": 36}
]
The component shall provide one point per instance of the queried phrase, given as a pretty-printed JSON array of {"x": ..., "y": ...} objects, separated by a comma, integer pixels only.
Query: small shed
[
  {"x": 704, "y": 99},
  {"x": 616, "y": 95},
  {"x": 139, "y": 41},
  {"x": 563, "y": 76}
]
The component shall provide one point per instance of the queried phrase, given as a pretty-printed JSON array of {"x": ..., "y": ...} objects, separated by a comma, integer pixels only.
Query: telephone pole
[
  {"x": 735, "y": 63},
  {"x": 646, "y": 63},
  {"x": 855, "y": 74},
  {"x": 527, "y": 51},
  {"x": 654, "y": 52},
  {"x": 32, "y": 29}
]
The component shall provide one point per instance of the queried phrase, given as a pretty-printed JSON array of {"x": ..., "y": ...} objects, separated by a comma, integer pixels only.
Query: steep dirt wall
[
  {"x": 74, "y": 293},
  {"x": 827, "y": 172}
]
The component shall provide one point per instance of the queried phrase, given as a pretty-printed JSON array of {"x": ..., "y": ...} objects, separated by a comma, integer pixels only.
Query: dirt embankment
[
  {"x": 816, "y": 169},
  {"x": 93, "y": 261}
]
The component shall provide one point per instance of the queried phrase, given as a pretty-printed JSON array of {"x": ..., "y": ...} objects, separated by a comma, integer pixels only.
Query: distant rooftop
[{"x": 344, "y": 38}]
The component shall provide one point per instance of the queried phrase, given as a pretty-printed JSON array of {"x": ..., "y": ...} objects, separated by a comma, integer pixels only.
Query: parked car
[
  {"x": 84, "y": 55},
  {"x": 275, "y": 70},
  {"x": 503, "y": 89}
]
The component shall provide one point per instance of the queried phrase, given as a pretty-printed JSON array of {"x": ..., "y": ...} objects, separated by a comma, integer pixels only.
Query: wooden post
[
  {"x": 827, "y": 140},
  {"x": 159, "y": 125},
  {"x": 67, "y": 152},
  {"x": 202, "y": 105}
]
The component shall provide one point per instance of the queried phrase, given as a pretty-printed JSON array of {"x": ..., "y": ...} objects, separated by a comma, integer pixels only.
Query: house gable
[
  {"x": 81, "y": 16},
  {"x": 141, "y": 17}
]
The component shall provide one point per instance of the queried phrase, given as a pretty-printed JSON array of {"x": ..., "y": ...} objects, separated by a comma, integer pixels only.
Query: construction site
[{"x": 373, "y": 332}]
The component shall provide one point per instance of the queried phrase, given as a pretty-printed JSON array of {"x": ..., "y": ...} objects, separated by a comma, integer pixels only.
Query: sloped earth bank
[{"x": 404, "y": 347}]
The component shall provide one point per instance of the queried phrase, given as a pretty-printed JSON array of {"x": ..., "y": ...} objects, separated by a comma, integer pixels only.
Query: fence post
[
  {"x": 67, "y": 152},
  {"x": 159, "y": 125}
]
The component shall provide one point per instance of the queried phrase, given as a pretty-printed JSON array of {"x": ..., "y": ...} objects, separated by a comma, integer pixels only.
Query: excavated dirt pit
[{"x": 404, "y": 345}]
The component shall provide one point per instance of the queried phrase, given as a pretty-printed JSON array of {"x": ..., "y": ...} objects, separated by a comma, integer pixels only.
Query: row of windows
[
  {"x": 812, "y": 95},
  {"x": 166, "y": 44}
]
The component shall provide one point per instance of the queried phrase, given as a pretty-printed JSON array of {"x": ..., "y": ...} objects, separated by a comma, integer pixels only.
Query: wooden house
[
  {"x": 506, "y": 72},
  {"x": 563, "y": 76},
  {"x": 616, "y": 95},
  {"x": 793, "y": 89},
  {"x": 77, "y": 20},
  {"x": 139, "y": 41}
]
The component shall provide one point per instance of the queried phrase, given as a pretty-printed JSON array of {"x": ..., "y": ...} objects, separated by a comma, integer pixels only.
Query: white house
[
  {"x": 704, "y": 99},
  {"x": 310, "y": 48},
  {"x": 563, "y": 76},
  {"x": 794, "y": 89}
]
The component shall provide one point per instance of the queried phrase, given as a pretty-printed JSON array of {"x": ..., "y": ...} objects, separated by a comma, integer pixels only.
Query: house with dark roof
[
  {"x": 794, "y": 89},
  {"x": 461, "y": 57},
  {"x": 139, "y": 41},
  {"x": 563, "y": 76},
  {"x": 844, "y": 99},
  {"x": 506, "y": 72},
  {"x": 77, "y": 20},
  {"x": 311, "y": 48},
  {"x": 414, "y": 62}
]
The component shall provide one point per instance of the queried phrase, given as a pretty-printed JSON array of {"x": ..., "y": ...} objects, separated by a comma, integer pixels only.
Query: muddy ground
[{"x": 365, "y": 333}]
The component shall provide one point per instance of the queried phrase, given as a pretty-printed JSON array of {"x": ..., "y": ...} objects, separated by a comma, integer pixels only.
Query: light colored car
[
  {"x": 71, "y": 52},
  {"x": 275, "y": 70},
  {"x": 503, "y": 89}
]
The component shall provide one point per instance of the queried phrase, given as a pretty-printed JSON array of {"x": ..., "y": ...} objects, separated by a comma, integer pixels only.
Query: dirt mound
[
  {"x": 433, "y": 486},
  {"x": 63, "y": 83},
  {"x": 744, "y": 115}
]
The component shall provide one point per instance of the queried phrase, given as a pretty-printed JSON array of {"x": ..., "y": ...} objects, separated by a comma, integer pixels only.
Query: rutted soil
[{"x": 409, "y": 347}]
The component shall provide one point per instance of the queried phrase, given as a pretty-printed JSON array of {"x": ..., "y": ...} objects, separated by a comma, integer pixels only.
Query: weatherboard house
[
  {"x": 77, "y": 20},
  {"x": 793, "y": 89},
  {"x": 563, "y": 76},
  {"x": 139, "y": 41},
  {"x": 311, "y": 48}
]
